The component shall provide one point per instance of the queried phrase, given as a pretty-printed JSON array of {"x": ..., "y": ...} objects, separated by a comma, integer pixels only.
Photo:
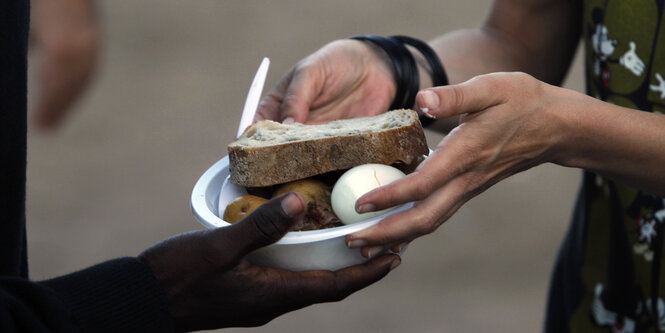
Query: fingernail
[
  {"x": 373, "y": 251},
  {"x": 400, "y": 248},
  {"x": 426, "y": 113},
  {"x": 288, "y": 120},
  {"x": 292, "y": 205},
  {"x": 356, "y": 243},
  {"x": 430, "y": 101},
  {"x": 365, "y": 208},
  {"x": 395, "y": 263}
]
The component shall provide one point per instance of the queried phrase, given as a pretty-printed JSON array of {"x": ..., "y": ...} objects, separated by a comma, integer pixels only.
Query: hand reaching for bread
[
  {"x": 509, "y": 124},
  {"x": 344, "y": 79}
]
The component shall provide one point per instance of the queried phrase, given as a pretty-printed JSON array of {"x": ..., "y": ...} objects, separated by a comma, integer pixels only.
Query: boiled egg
[{"x": 354, "y": 183}]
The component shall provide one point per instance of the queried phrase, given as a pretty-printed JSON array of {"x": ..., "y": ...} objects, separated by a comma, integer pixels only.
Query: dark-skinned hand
[{"x": 210, "y": 285}]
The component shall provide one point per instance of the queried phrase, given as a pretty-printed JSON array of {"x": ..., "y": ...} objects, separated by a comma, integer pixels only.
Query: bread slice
[{"x": 270, "y": 153}]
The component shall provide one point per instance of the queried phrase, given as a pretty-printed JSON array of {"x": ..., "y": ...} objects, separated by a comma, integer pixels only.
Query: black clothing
[
  {"x": 120, "y": 295},
  {"x": 13, "y": 100}
]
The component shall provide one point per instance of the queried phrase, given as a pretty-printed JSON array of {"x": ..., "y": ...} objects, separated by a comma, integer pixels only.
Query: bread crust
[{"x": 266, "y": 166}]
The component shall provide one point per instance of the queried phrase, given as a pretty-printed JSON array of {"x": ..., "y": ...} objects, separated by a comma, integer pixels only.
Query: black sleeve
[{"x": 120, "y": 295}]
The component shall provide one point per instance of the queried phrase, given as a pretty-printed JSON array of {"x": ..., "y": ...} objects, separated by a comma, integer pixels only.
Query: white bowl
[{"x": 296, "y": 251}]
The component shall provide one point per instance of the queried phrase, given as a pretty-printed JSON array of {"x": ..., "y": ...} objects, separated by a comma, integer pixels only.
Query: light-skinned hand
[
  {"x": 344, "y": 79},
  {"x": 504, "y": 129},
  {"x": 67, "y": 38}
]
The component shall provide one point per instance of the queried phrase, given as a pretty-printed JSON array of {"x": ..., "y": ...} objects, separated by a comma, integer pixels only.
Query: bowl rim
[{"x": 209, "y": 219}]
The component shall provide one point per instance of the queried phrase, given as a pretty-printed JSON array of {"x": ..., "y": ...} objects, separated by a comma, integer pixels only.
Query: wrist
[
  {"x": 573, "y": 136},
  {"x": 424, "y": 72},
  {"x": 376, "y": 57},
  {"x": 409, "y": 66},
  {"x": 404, "y": 68}
]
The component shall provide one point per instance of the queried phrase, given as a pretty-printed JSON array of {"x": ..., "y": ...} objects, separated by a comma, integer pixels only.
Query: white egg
[{"x": 355, "y": 183}]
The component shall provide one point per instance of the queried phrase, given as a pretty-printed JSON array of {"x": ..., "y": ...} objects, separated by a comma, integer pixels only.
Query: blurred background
[{"x": 170, "y": 88}]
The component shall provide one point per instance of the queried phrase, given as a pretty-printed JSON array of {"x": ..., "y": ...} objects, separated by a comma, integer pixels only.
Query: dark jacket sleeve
[{"x": 120, "y": 295}]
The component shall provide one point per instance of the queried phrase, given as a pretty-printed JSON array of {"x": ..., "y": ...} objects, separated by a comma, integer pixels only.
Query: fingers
[
  {"x": 270, "y": 106},
  {"x": 473, "y": 95},
  {"x": 425, "y": 217},
  {"x": 326, "y": 286},
  {"x": 291, "y": 99},
  {"x": 300, "y": 94},
  {"x": 447, "y": 161},
  {"x": 372, "y": 251},
  {"x": 264, "y": 226}
]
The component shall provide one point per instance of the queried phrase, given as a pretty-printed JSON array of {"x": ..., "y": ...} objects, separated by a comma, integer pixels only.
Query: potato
[
  {"x": 311, "y": 189},
  {"x": 242, "y": 206}
]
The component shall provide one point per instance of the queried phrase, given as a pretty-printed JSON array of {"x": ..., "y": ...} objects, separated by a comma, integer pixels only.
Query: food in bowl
[
  {"x": 310, "y": 158},
  {"x": 355, "y": 183},
  {"x": 242, "y": 206}
]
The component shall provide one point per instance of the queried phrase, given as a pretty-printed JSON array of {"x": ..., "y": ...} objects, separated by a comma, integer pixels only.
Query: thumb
[
  {"x": 265, "y": 225},
  {"x": 632, "y": 46},
  {"x": 476, "y": 94}
]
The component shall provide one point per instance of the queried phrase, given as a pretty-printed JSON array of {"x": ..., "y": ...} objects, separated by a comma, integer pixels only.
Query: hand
[
  {"x": 506, "y": 127},
  {"x": 344, "y": 79},
  {"x": 209, "y": 285},
  {"x": 631, "y": 61},
  {"x": 67, "y": 35}
]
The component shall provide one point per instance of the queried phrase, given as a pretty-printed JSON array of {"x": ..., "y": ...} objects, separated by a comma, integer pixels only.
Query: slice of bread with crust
[{"x": 270, "y": 153}]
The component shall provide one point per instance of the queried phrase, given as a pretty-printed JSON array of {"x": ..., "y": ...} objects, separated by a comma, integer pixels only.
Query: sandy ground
[{"x": 118, "y": 176}]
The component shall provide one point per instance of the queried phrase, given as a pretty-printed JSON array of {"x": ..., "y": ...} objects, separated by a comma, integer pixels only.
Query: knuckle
[
  {"x": 492, "y": 81},
  {"x": 381, "y": 234},
  {"x": 264, "y": 221},
  {"x": 425, "y": 224},
  {"x": 424, "y": 185},
  {"x": 520, "y": 80},
  {"x": 457, "y": 100},
  {"x": 290, "y": 102}
]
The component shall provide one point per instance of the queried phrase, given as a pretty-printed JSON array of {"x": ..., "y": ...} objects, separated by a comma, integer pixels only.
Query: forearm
[
  {"x": 471, "y": 52},
  {"x": 538, "y": 37},
  {"x": 623, "y": 144},
  {"x": 120, "y": 295}
]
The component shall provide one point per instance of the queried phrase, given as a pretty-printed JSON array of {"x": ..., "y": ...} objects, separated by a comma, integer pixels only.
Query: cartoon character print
[
  {"x": 648, "y": 212},
  {"x": 660, "y": 87},
  {"x": 660, "y": 309},
  {"x": 620, "y": 36},
  {"x": 604, "y": 47},
  {"x": 647, "y": 224},
  {"x": 605, "y": 317}
]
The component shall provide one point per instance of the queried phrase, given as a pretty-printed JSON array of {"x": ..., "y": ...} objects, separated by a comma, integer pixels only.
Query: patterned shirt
[{"x": 608, "y": 275}]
